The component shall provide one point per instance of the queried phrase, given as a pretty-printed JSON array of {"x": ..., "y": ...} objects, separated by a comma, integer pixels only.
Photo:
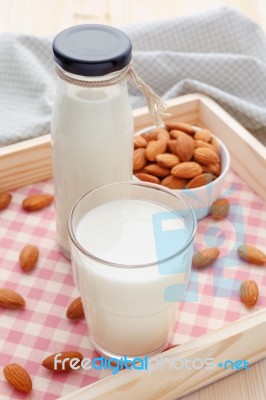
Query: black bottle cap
[{"x": 92, "y": 50}]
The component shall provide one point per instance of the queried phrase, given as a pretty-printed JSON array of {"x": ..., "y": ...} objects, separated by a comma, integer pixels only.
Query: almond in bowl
[{"x": 185, "y": 158}]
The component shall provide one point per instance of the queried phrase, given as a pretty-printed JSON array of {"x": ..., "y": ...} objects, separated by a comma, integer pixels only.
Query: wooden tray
[{"x": 30, "y": 161}]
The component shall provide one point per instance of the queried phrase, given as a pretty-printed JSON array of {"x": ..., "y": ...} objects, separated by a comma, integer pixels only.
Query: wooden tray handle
[{"x": 241, "y": 340}]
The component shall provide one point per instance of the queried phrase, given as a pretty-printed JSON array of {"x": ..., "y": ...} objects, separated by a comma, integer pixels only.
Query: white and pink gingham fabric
[{"x": 29, "y": 335}]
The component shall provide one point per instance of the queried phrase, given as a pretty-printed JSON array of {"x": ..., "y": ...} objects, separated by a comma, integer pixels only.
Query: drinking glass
[{"x": 131, "y": 248}]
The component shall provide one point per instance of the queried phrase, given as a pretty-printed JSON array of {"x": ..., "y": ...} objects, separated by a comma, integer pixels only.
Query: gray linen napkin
[{"x": 219, "y": 53}]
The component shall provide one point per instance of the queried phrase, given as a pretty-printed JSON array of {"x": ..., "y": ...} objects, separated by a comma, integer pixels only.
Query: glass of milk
[{"x": 131, "y": 247}]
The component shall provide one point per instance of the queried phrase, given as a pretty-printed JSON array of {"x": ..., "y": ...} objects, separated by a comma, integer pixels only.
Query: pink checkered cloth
[{"x": 29, "y": 335}]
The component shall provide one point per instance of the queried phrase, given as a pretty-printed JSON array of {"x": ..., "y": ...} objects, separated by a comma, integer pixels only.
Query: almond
[
  {"x": 173, "y": 182},
  {"x": 11, "y": 299},
  {"x": 220, "y": 208},
  {"x": 204, "y": 135},
  {"x": 171, "y": 146},
  {"x": 167, "y": 160},
  {"x": 153, "y": 135},
  {"x": 249, "y": 293},
  {"x": 157, "y": 170},
  {"x": 187, "y": 170},
  {"x": 37, "y": 202},
  {"x": 206, "y": 156},
  {"x": 175, "y": 133},
  {"x": 181, "y": 126},
  {"x": 205, "y": 257},
  {"x": 251, "y": 254},
  {"x": 75, "y": 309},
  {"x": 147, "y": 178},
  {"x": 199, "y": 180},
  {"x": 139, "y": 142},
  {"x": 139, "y": 159},
  {"x": 163, "y": 134},
  {"x": 216, "y": 144},
  {"x": 212, "y": 168},
  {"x": 5, "y": 199},
  {"x": 201, "y": 143},
  {"x": 185, "y": 147},
  {"x": 28, "y": 257},
  {"x": 61, "y": 363},
  {"x": 18, "y": 377},
  {"x": 154, "y": 148}
]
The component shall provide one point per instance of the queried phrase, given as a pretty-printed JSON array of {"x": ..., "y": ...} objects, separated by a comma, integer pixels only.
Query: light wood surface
[
  {"x": 51, "y": 16},
  {"x": 245, "y": 385},
  {"x": 25, "y": 162},
  {"x": 30, "y": 161}
]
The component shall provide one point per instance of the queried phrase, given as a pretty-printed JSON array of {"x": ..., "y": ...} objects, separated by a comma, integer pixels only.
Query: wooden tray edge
[{"x": 235, "y": 341}]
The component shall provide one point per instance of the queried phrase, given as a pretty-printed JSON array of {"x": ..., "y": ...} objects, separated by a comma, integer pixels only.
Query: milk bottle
[{"x": 92, "y": 125}]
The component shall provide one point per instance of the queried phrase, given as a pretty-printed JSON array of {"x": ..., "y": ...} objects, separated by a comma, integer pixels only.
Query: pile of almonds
[{"x": 178, "y": 156}]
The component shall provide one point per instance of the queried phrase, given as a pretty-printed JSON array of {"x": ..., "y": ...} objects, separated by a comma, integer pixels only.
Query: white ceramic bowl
[{"x": 201, "y": 198}]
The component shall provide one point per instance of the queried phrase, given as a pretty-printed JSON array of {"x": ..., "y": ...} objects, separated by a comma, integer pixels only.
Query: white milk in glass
[
  {"x": 124, "y": 305},
  {"x": 92, "y": 132}
]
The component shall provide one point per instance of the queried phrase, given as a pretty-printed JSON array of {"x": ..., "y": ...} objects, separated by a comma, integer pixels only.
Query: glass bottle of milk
[{"x": 92, "y": 124}]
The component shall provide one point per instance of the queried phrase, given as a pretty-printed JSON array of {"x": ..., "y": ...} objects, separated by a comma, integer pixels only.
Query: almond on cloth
[
  {"x": 75, "y": 309},
  {"x": 206, "y": 257},
  {"x": 37, "y": 202},
  {"x": 18, "y": 377},
  {"x": 11, "y": 299},
  {"x": 251, "y": 254},
  {"x": 28, "y": 257},
  {"x": 61, "y": 361},
  {"x": 249, "y": 293},
  {"x": 220, "y": 208},
  {"x": 199, "y": 180},
  {"x": 5, "y": 199}
]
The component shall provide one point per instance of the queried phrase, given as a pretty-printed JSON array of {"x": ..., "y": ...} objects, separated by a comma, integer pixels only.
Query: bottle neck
[{"x": 93, "y": 81}]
